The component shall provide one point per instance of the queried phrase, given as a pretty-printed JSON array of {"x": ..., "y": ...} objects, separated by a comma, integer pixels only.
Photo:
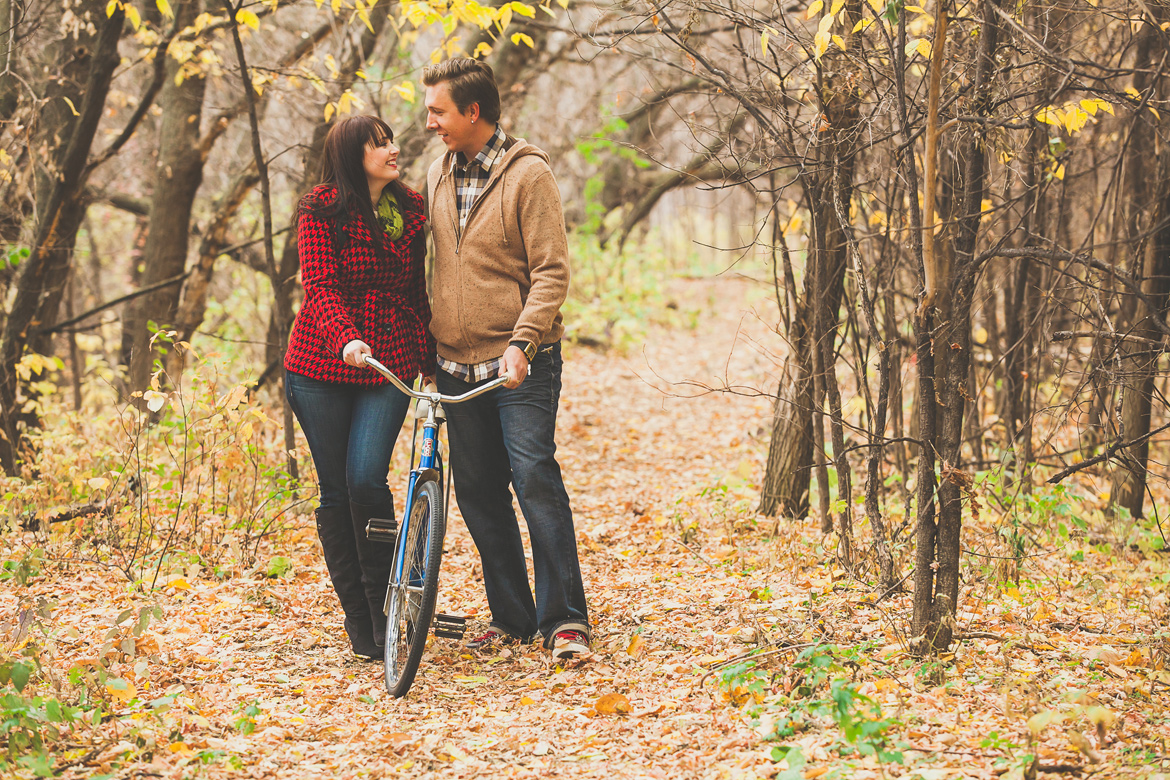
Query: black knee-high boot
[
  {"x": 335, "y": 528},
  {"x": 376, "y": 558}
]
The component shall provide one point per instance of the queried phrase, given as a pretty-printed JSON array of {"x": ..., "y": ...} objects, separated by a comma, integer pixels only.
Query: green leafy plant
[
  {"x": 24, "y": 569},
  {"x": 814, "y": 694},
  {"x": 246, "y": 722}
]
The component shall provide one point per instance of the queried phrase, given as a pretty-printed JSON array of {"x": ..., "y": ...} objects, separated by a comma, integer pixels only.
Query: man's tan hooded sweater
[{"x": 505, "y": 277}]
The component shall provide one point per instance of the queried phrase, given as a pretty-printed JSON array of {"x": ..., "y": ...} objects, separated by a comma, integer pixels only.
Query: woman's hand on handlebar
[{"x": 355, "y": 352}]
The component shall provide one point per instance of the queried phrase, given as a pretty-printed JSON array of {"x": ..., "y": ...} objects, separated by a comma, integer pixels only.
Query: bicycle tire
[{"x": 406, "y": 637}]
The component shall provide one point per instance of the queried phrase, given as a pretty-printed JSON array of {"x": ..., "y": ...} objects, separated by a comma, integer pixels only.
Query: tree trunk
[
  {"x": 936, "y": 580},
  {"x": 1149, "y": 232},
  {"x": 178, "y": 176},
  {"x": 44, "y": 269},
  {"x": 790, "y": 448}
]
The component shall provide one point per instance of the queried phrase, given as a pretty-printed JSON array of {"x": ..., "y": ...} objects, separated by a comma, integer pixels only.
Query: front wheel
[{"x": 411, "y": 601}]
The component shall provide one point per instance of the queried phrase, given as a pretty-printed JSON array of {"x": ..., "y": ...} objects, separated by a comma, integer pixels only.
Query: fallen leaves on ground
[{"x": 251, "y": 676}]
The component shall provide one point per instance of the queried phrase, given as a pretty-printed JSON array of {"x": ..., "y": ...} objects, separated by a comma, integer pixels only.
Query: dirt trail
[
  {"x": 636, "y": 460},
  {"x": 680, "y": 573}
]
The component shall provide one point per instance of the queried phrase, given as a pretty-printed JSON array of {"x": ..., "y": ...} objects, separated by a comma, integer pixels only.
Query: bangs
[{"x": 378, "y": 131}]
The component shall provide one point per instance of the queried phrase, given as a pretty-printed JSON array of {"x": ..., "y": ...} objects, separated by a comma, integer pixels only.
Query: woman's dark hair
[
  {"x": 468, "y": 81},
  {"x": 345, "y": 148}
]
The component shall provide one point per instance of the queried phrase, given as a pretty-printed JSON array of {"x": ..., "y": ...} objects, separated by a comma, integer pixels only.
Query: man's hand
[
  {"x": 428, "y": 384},
  {"x": 515, "y": 364},
  {"x": 355, "y": 351}
]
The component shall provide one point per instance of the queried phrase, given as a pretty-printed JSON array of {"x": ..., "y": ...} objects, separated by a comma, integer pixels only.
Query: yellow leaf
[
  {"x": 329, "y": 108},
  {"x": 1049, "y": 115},
  {"x": 72, "y": 107},
  {"x": 526, "y": 700},
  {"x": 1059, "y": 172},
  {"x": 111, "y": 7},
  {"x": 522, "y": 9},
  {"x": 246, "y": 431},
  {"x": 121, "y": 690},
  {"x": 612, "y": 704},
  {"x": 406, "y": 90},
  {"x": 247, "y": 18},
  {"x": 179, "y": 584},
  {"x": 877, "y": 5},
  {"x": 837, "y": 39},
  {"x": 764, "y": 43},
  {"x": 1074, "y": 119},
  {"x": 563, "y": 3},
  {"x": 1038, "y": 722},
  {"x": 343, "y": 102},
  {"x": 1154, "y": 111},
  {"x": 923, "y": 47},
  {"x": 837, "y": 6},
  {"x": 820, "y": 44},
  {"x": 181, "y": 748},
  {"x": 133, "y": 15},
  {"x": 826, "y": 23},
  {"x": 336, "y": 6},
  {"x": 1133, "y": 93},
  {"x": 519, "y": 38},
  {"x": 98, "y": 483},
  {"x": 482, "y": 50},
  {"x": 814, "y": 9},
  {"x": 863, "y": 24},
  {"x": 636, "y": 646},
  {"x": 164, "y": 8},
  {"x": 1092, "y": 105}
]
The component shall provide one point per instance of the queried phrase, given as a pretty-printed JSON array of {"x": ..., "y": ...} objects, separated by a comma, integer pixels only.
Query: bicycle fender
[{"x": 427, "y": 475}]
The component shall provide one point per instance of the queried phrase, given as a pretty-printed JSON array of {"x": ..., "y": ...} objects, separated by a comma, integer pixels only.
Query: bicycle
[{"x": 414, "y": 577}]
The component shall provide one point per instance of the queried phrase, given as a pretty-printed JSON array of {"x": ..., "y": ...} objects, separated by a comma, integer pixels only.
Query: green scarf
[{"x": 389, "y": 215}]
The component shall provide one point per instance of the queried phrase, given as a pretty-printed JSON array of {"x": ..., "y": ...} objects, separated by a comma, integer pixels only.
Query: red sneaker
[{"x": 569, "y": 644}]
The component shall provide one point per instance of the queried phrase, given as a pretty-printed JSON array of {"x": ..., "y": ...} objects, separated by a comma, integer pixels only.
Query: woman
[{"x": 362, "y": 249}]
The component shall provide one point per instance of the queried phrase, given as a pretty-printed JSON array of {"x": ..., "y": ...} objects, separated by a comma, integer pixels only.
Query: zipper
[{"x": 496, "y": 175}]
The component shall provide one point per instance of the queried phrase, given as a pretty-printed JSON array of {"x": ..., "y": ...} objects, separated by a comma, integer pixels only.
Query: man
[{"x": 501, "y": 275}]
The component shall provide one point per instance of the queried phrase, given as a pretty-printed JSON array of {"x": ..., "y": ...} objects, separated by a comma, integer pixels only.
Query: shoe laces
[{"x": 571, "y": 636}]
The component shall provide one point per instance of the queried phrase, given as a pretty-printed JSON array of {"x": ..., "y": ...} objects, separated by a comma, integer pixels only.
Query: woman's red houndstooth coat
[{"x": 353, "y": 291}]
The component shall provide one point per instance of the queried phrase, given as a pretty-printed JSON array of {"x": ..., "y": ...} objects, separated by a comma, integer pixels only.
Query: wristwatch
[{"x": 527, "y": 347}]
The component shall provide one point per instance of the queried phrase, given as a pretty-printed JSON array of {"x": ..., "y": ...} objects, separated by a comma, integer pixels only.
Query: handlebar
[{"x": 433, "y": 397}]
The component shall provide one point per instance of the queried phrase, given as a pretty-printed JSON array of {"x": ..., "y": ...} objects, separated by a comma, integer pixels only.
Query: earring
[{"x": 473, "y": 121}]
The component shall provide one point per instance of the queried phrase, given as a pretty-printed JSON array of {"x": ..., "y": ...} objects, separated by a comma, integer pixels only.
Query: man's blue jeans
[
  {"x": 508, "y": 436},
  {"x": 351, "y": 431}
]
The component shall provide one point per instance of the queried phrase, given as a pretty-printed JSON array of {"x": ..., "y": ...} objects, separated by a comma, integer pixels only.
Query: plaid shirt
[
  {"x": 472, "y": 177},
  {"x": 470, "y": 180}
]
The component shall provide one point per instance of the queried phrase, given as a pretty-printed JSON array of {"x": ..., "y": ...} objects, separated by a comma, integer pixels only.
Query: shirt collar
[{"x": 487, "y": 155}]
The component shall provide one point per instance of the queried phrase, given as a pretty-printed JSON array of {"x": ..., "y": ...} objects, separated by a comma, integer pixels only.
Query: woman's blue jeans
[
  {"x": 351, "y": 430},
  {"x": 508, "y": 436}
]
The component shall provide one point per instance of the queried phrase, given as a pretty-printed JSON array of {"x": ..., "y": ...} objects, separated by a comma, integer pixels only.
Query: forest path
[
  {"x": 644, "y": 468},
  {"x": 252, "y": 676}
]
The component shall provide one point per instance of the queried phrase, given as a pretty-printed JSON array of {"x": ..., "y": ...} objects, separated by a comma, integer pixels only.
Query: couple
[{"x": 501, "y": 274}]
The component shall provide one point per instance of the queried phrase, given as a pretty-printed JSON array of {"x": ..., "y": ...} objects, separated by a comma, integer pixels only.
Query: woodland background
[{"x": 895, "y": 276}]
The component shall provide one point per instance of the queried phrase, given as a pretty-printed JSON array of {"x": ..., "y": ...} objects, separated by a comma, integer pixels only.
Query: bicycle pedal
[
  {"x": 380, "y": 530},
  {"x": 449, "y": 626}
]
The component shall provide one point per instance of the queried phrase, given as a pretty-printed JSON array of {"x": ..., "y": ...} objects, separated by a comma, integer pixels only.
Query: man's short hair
[{"x": 469, "y": 81}]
